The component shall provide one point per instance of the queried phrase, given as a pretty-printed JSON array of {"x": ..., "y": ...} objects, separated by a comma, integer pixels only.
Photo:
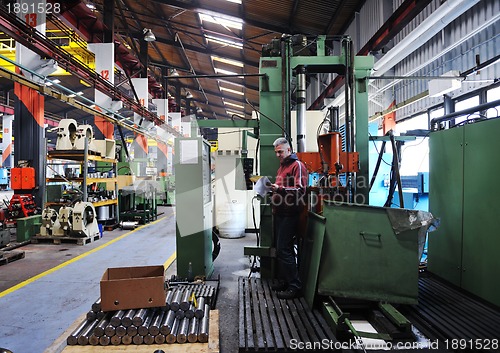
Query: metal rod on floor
[
  {"x": 160, "y": 338},
  {"x": 72, "y": 339},
  {"x": 127, "y": 339},
  {"x": 104, "y": 340},
  {"x": 83, "y": 338},
  {"x": 139, "y": 317},
  {"x": 184, "y": 305},
  {"x": 203, "y": 334},
  {"x": 175, "y": 304},
  {"x": 116, "y": 340},
  {"x": 144, "y": 328},
  {"x": 154, "y": 328},
  {"x": 183, "y": 331},
  {"x": 97, "y": 305},
  {"x": 101, "y": 326},
  {"x": 200, "y": 309},
  {"x": 172, "y": 336},
  {"x": 193, "y": 330},
  {"x": 168, "y": 321},
  {"x": 128, "y": 317},
  {"x": 116, "y": 319}
]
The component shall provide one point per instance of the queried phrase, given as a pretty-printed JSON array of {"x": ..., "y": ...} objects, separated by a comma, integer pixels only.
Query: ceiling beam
[{"x": 205, "y": 51}]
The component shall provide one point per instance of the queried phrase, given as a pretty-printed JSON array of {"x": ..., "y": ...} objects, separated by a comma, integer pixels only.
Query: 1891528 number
[
  {"x": 24, "y": 7},
  {"x": 474, "y": 344}
]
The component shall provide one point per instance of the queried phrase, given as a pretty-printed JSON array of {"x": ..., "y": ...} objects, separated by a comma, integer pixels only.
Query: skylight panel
[
  {"x": 239, "y": 106},
  {"x": 227, "y": 61},
  {"x": 221, "y": 21},
  {"x": 224, "y": 41},
  {"x": 225, "y": 72},
  {"x": 229, "y": 90}
]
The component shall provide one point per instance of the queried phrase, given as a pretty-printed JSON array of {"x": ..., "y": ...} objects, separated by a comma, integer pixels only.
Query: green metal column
[
  {"x": 362, "y": 68},
  {"x": 193, "y": 207}
]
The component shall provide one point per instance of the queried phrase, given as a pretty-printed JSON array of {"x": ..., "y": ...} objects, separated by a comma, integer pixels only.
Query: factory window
[
  {"x": 493, "y": 95},
  {"x": 465, "y": 104},
  {"x": 414, "y": 154}
]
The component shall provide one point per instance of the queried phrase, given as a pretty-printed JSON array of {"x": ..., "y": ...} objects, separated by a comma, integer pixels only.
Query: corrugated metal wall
[
  {"x": 434, "y": 58},
  {"x": 444, "y": 52}
]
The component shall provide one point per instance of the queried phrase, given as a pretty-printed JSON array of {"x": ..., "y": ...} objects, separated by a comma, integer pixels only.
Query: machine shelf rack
[{"x": 83, "y": 157}]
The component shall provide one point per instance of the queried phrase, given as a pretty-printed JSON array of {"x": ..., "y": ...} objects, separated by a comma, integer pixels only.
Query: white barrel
[{"x": 231, "y": 220}]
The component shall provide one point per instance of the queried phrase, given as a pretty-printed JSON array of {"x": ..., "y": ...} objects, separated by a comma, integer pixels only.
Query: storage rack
[{"x": 83, "y": 157}]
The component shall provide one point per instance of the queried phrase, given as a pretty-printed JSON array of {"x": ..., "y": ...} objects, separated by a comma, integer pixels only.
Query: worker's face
[{"x": 282, "y": 151}]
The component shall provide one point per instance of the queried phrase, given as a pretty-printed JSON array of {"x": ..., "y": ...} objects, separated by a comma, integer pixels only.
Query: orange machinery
[
  {"x": 22, "y": 204},
  {"x": 331, "y": 161}
]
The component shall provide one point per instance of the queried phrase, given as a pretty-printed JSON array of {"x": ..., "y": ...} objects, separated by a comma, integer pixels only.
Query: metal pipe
[
  {"x": 121, "y": 331},
  {"x": 301, "y": 109},
  {"x": 109, "y": 330},
  {"x": 193, "y": 330},
  {"x": 203, "y": 334},
  {"x": 72, "y": 339},
  {"x": 132, "y": 330},
  {"x": 184, "y": 305},
  {"x": 138, "y": 339},
  {"x": 168, "y": 321},
  {"x": 116, "y": 319},
  {"x": 91, "y": 316},
  {"x": 139, "y": 317},
  {"x": 144, "y": 328},
  {"x": 200, "y": 309},
  {"x": 104, "y": 340},
  {"x": 154, "y": 328},
  {"x": 127, "y": 339},
  {"x": 168, "y": 300},
  {"x": 83, "y": 338},
  {"x": 183, "y": 331},
  {"x": 175, "y": 303},
  {"x": 99, "y": 329},
  {"x": 334, "y": 119},
  {"x": 180, "y": 314},
  {"x": 97, "y": 305},
  {"x": 172, "y": 336},
  {"x": 149, "y": 339},
  {"x": 93, "y": 340},
  {"x": 100, "y": 315},
  {"x": 160, "y": 339},
  {"x": 128, "y": 317},
  {"x": 116, "y": 340},
  {"x": 190, "y": 312},
  {"x": 213, "y": 76},
  {"x": 467, "y": 111}
]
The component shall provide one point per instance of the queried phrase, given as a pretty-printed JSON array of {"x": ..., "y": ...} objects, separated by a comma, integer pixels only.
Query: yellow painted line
[
  {"x": 79, "y": 257},
  {"x": 170, "y": 260}
]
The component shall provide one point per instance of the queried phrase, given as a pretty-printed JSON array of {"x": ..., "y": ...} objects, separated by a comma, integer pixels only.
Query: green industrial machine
[
  {"x": 300, "y": 56},
  {"x": 138, "y": 202},
  {"x": 464, "y": 189},
  {"x": 193, "y": 208}
]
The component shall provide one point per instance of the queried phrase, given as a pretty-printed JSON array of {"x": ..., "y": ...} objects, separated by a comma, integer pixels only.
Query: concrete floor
[{"x": 44, "y": 293}]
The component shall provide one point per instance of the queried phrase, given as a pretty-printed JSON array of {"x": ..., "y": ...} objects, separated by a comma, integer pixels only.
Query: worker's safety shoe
[
  {"x": 289, "y": 293},
  {"x": 279, "y": 286}
]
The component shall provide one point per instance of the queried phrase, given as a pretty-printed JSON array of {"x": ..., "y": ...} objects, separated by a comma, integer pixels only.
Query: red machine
[{"x": 21, "y": 205}]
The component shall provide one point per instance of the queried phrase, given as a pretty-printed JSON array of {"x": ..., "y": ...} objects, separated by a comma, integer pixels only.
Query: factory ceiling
[{"x": 206, "y": 39}]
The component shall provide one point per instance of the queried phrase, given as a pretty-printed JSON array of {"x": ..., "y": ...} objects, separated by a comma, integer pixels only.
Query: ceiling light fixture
[
  {"x": 189, "y": 95},
  {"x": 199, "y": 110},
  {"x": 148, "y": 35},
  {"x": 173, "y": 72}
]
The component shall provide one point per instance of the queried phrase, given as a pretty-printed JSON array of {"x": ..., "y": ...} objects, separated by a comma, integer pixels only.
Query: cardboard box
[{"x": 133, "y": 288}]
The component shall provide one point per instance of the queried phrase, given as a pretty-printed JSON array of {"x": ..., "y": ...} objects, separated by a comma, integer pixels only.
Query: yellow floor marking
[{"x": 79, "y": 257}]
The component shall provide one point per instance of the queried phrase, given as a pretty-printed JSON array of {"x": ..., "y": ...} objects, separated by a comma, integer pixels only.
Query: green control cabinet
[
  {"x": 194, "y": 207},
  {"x": 464, "y": 193}
]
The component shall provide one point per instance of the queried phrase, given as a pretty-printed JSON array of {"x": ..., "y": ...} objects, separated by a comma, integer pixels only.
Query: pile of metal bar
[{"x": 184, "y": 318}]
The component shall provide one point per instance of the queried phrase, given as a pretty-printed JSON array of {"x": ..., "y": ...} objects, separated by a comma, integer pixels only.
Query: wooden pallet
[
  {"x": 59, "y": 345},
  {"x": 9, "y": 256},
  {"x": 267, "y": 323},
  {"x": 59, "y": 240}
]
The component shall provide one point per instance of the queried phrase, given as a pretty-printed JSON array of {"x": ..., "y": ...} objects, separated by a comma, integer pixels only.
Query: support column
[
  {"x": 29, "y": 104},
  {"x": 6, "y": 145},
  {"x": 104, "y": 66},
  {"x": 140, "y": 143}
]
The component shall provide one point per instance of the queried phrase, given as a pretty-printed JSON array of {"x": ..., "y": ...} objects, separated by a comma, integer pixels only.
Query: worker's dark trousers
[{"x": 285, "y": 229}]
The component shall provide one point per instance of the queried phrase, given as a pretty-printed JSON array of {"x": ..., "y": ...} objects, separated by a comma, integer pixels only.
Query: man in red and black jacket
[{"x": 288, "y": 201}]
